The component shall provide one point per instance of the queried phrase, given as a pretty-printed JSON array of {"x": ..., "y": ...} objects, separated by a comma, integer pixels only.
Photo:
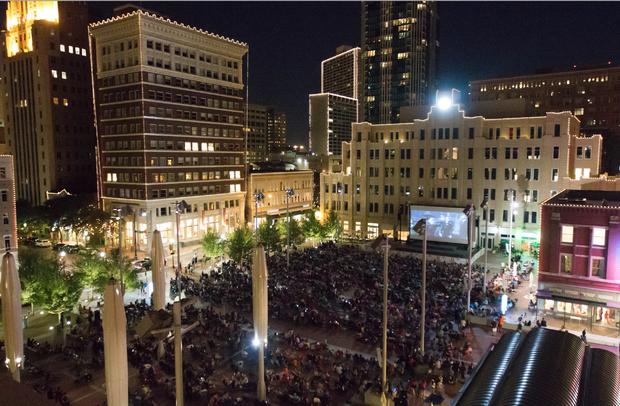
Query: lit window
[
  {"x": 195, "y": 146},
  {"x": 62, "y": 47},
  {"x": 372, "y": 52},
  {"x": 54, "y": 73},
  {"x": 83, "y": 51},
  {"x": 77, "y": 50},
  {"x": 63, "y": 75},
  {"x": 203, "y": 146},
  {"x": 65, "y": 102},
  {"x": 55, "y": 100},
  {"x": 567, "y": 234},
  {"x": 70, "y": 49},
  {"x": 598, "y": 236},
  {"x": 566, "y": 263},
  {"x": 579, "y": 111},
  {"x": 598, "y": 268},
  {"x": 188, "y": 146}
]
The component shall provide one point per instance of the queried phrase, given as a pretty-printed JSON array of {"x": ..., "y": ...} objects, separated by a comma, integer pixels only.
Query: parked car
[
  {"x": 142, "y": 264},
  {"x": 72, "y": 248},
  {"x": 43, "y": 243},
  {"x": 58, "y": 246}
]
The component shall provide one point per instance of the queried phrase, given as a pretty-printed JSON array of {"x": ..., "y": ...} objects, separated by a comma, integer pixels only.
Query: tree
[
  {"x": 268, "y": 235},
  {"x": 239, "y": 244},
  {"x": 312, "y": 228},
  {"x": 97, "y": 271},
  {"x": 332, "y": 226},
  {"x": 212, "y": 244},
  {"x": 297, "y": 234},
  {"x": 46, "y": 285}
]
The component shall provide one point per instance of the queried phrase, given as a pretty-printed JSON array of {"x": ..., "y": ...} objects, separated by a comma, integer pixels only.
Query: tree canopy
[
  {"x": 97, "y": 271},
  {"x": 268, "y": 235},
  {"x": 212, "y": 244},
  {"x": 239, "y": 244}
]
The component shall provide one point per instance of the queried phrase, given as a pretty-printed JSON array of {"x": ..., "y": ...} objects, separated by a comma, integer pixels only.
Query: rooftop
[
  {"x": 585, "y": 198},
  {"x": 543, "y": 367},
  {"x": 545, "y": 72}
]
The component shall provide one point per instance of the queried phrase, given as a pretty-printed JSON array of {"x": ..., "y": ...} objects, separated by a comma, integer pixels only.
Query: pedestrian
[
  {"x": 583, "y": 336},
  {"x": 543, "y": 323}
]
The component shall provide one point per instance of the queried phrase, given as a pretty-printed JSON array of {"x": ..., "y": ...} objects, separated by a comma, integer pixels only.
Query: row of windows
[
  {"x": 193, "y": 100},
  {"x": 190, "y": 53},
  {"x": 193, "y": 115},
  {"x": 132, "y": 193},
  {"x": 598, "y": 234},
  {"x": 193, "y": 176}
]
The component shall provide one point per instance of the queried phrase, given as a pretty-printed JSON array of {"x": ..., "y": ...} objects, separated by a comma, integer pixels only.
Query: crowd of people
[{"x": 333, "y": 287}]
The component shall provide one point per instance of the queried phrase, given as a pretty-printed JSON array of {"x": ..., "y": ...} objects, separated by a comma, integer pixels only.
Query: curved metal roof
[
  {"x": 543, "y": 367},
  {"x": 482, "y": 387},
  {"x": 601, "y": 383}
]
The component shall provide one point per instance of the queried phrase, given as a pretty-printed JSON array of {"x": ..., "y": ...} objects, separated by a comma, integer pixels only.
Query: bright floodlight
[
  {"x": 255, "y": 341},
  {"x": 444, "y": 103}
]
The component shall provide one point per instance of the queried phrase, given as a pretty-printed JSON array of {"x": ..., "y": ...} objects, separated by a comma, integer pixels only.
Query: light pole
[
  {"x": 420, "y": 228},
  {"x": 135, "y": 231},
  {"x": 119, "y": 216},
  {"x": 179, "y": 207},
  {"x": 485, "y": 205},
  {"x": 469, "y": 212},
  {"x": 513, "y": 205},
  {"x": 289, "y": 193},
  {"x": 258, "y": 198}
]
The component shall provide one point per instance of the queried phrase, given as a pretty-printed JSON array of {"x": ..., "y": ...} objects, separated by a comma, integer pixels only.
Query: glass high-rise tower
[{"x": 399, "y": 57}]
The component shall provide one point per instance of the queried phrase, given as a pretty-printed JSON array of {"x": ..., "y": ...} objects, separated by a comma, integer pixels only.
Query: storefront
[{"x": 602, "y": 318}]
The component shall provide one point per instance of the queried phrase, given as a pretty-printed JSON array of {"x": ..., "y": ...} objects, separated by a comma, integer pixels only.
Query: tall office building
[
  {"x": 46, "y": 98},
  {"x": 276, "y": 130},
  {"x": 592, "y": 94},
  {"x": 399, "y": 57},
  {"x": 337, "y": 106},
  {"x": 266, "y": 132},
  {"x": 170, "y": 118}
]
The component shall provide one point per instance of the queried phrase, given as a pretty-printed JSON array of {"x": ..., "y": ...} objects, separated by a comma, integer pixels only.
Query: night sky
[{"x": 478, "y": 40}]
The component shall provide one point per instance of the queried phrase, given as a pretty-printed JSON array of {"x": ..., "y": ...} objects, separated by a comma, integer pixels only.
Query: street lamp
[
  {"x": 258, "y": 198},
  {"x": 289, "y": 193},
  {"x": 485, "y": 205},
  {"x": 513, "y": 206},
  {"x": 179, "y": 206},
  {"x": 420, "y": 228},
  {"x": 135, "y": 231},
  {"x": 469, "y": 211}
]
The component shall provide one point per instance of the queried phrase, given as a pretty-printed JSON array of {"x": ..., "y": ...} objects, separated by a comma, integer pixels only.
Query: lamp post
[
  {"x": 469, "y": 212},
  {"x": 135, "y": 231},
  {"x": 485, "y": 205},
  {"x": 289, "y": 193},
  {"x": 258, "y": 198},
  {"x": 179, "y": 206},
  {"x": 119, "y": 216},
  {"x": 513, "y": 205},
  {"x": 420, "y": 228}
]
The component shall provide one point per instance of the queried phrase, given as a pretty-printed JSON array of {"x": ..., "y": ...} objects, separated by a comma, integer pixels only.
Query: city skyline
[{"x": 300, "y": 46}]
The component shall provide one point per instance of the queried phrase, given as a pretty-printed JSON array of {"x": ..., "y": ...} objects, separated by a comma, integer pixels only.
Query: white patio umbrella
[
  {"x": 260, "y": 313},
  {"x": 12, "y": 315},
  {"x": 158, "y": 272},
  {"x": 115, "y": 345}
]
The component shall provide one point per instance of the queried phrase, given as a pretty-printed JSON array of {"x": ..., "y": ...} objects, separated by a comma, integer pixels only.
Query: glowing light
[
  {"x": 444, "y": 103},
  {"x": 62, "y": 254},
  {"x": 51, "y": 328},
  {"x": 20, "y": 16},
  {"x": 255, "y": 342},
  {"x": 504, "y": 304},
  {"x": 102, "y": 254}
]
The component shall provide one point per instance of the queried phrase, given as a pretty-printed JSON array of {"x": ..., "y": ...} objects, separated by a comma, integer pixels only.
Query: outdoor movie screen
[{"x": 445, "y": 224}]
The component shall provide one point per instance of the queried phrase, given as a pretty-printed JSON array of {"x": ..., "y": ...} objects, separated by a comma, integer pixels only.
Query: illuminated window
[
  {"x": 566, "y": 263},
  {"x": 579, "y": 111},
  {"x": 54, "y": 73},
  {"x": 372, "y": 53},
  {"x": 83, "y": 51},
  {"x": 77, "y": 50},
  {"x": 598, "y": 268},
  {"x": 188, "y": 146},
  {"x": 55, "y": 100},
  {"x": 65, "y": 102},
  {"x": 554, "y": 175},
  {"x": 203, "y": 146},
  {"x": 598, "y": 236},
  {"x": 62, "y": 47},
  {"x": 567, "y": 234},
  {"x": 402, "y": 55},
  {"x": 70, "y": 49},
  {"x": 195, "y": 146},
  {"x": 63, "y": 75}
]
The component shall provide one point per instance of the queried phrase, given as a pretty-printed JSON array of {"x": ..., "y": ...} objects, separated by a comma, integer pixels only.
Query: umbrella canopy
[
  {"x": 158, "y": 272},
  {"x": 259, "y": 292},
  {"x": 115, "y": 345},
  {"x": 12, "y": 315}
]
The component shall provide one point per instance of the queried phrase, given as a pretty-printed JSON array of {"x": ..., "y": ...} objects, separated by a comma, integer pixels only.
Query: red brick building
[{"x": 579, "y": 279}]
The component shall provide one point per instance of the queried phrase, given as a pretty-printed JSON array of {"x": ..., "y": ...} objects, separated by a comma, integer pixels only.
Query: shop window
[
  {"x": 566, "y": 263},
  {"x": 598, "y": 236},
  {"x": 598, "y": 268},
  {"x": 567, "y": 234}
]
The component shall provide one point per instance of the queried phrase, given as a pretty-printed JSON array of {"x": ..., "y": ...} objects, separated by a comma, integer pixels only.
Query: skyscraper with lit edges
[
  {"x": 399, "y": 57},
  {"x": 46, "y": 99}
]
